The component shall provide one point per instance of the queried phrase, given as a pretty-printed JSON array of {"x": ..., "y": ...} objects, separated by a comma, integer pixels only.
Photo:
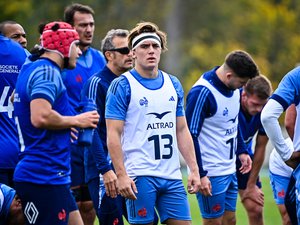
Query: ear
[
  {"x": 108, "y": 55},
  {"x": 229, "y": 74},
  {"x": 244, "y": 94},
  {"x": 133, "y": 54}
]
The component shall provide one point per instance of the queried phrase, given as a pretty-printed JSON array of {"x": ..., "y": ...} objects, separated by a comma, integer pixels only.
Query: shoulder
[
  {"x": 96, "y": 52},
  {"x": 120, "y": 82}
]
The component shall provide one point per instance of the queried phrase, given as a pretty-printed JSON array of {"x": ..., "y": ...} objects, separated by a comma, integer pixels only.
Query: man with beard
[{"x": 81, "y": 17}]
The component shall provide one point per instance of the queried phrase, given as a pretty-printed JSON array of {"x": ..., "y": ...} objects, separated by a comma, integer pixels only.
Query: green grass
[{"x": 271, "y": 213}]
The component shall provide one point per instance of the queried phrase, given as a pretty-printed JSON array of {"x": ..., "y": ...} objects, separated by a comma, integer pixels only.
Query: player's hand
[
  {"x": 74, "y": 134},
  {"x": 254, "y": 193},
  {"x": 110, "y": 183},
  {"x": 205, "y": 187},
  {"x": 193, "y": 185},
  {"x": 126, "y": 187},
  {"x": 294, "y": 160},
  {"x": 88, "y": 119},
  {"x": 246, "y": 163}
]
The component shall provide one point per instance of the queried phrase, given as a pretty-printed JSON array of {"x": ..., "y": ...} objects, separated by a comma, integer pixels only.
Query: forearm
[
  {"x": 186, "y": 148},
  {"x": 114, "y": 132},
  {"x": 116, "y": 155},
  {"x": 269, "y": 119},
  {"x": 99, "y": 154},
  {"x": 257, "y": 163}
]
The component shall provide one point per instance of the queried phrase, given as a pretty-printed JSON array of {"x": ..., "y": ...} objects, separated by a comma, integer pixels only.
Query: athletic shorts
[
  {"x": 109, "y": 210},
  {"x": 45, "y": 204},
  {"x": 167, "y": 196},
  {"x": 242, "y": 179},
  {"x": 224, "y": 197},
  {"x": 6, "y": 177},
  {"x": 279, "y": 186}
]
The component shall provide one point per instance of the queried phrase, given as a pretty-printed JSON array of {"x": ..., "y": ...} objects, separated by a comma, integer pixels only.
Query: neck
[
  {"x": 116, "y": 71},
  {"x": 151, "y": 73},
  {"x": 55, "y": 57},
  {"x": 221, "y": 74}
]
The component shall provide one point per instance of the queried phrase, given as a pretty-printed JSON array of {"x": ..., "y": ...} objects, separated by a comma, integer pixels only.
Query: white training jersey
[
  {"x": 277, "y": 165},
  {"x": 149, "y": 138},
  {"x": 218, "y": 135}
]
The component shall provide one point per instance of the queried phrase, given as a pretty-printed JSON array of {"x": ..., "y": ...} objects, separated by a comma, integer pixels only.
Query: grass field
[{"x": 271, "y": 213}]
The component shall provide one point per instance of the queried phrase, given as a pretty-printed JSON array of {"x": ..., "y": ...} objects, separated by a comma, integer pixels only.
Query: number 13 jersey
[{"x": 149, "y": 140}]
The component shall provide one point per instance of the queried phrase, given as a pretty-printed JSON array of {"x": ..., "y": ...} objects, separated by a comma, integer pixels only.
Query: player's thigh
[
  {"x": 45, "y": 204},
  {"x": 172, "y": 201},
  {"x": 141, "y": 210},
  {"x": 279, "y": 185},
  {"x": 224, "y": 194}
]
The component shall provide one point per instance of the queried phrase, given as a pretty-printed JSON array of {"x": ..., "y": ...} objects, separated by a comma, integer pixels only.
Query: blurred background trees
[{"x": 200, "y": 32}]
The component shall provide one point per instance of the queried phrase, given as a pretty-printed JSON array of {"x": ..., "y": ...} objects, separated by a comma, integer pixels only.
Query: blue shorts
[
  {"x": 279, "y": 186},
  {"x": 242, "y": 179},
  {"x": 167, "y": 196},
  {"x": 224, "y": 197},
  {"x": 109, "y": 210},
  {"x": 45, "y": 204}
]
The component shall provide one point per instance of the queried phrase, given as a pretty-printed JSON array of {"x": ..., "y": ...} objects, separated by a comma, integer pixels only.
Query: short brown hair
[
  {"x": 145, "y": 27},
  {"x": 259, "y": 86},
  {"x": 242, "y": 64},
  {"x": 76, "y": 7}
]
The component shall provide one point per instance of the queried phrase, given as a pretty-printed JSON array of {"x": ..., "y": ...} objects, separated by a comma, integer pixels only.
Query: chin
[{"x": 71, "y": 66}]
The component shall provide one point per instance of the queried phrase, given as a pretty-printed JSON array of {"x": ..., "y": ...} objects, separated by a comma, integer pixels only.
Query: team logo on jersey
[
  {"x": 234, "y": 119},
  {"x": 31, "y": 212},
  {"x": 144, "y": 101},
  {"x": 62, "y": 215},
  {"x": 159, "y": 116},
  {"x": 78, "y": 78},
  {"x": 172, "y": 99},
  {"x": 225, "y": 112}
]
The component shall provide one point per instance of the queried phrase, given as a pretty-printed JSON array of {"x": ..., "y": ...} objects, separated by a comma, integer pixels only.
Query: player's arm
[
  {"x": 117, "y": 101},
  {"x": 126, "y": 186},
  {"x": 258, "y": 158},
  {"x": 289, "y": 120},
  {"x": 269, "y": 118},
  {"x": 252, "y": 191},
  {"x": 203, "y": 99},
  {"x": 186, "y": 148},
  {"x": 43, "y": 116}
]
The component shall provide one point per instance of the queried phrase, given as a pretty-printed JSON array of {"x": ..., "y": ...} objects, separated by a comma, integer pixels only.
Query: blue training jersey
[
  {"x": 44, "y": 156},
  {"x": 288, "y": 90},
  {"x": 12, "y": 57},
  {"x": 95, "y": 158},
  {"x": 90, "y": 62},
  {"x": 7, "y": 195},
  {"x": 250, "y": 125},
  {"x": 118, "y": 95}
]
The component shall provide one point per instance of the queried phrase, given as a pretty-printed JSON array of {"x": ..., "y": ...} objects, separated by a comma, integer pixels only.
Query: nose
[
  {"x": 23, "y": 41},
  {"x": 89, "y": 28}
]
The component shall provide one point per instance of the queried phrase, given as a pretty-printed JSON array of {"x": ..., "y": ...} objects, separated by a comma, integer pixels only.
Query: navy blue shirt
[{"x": 96, "y": 156}]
